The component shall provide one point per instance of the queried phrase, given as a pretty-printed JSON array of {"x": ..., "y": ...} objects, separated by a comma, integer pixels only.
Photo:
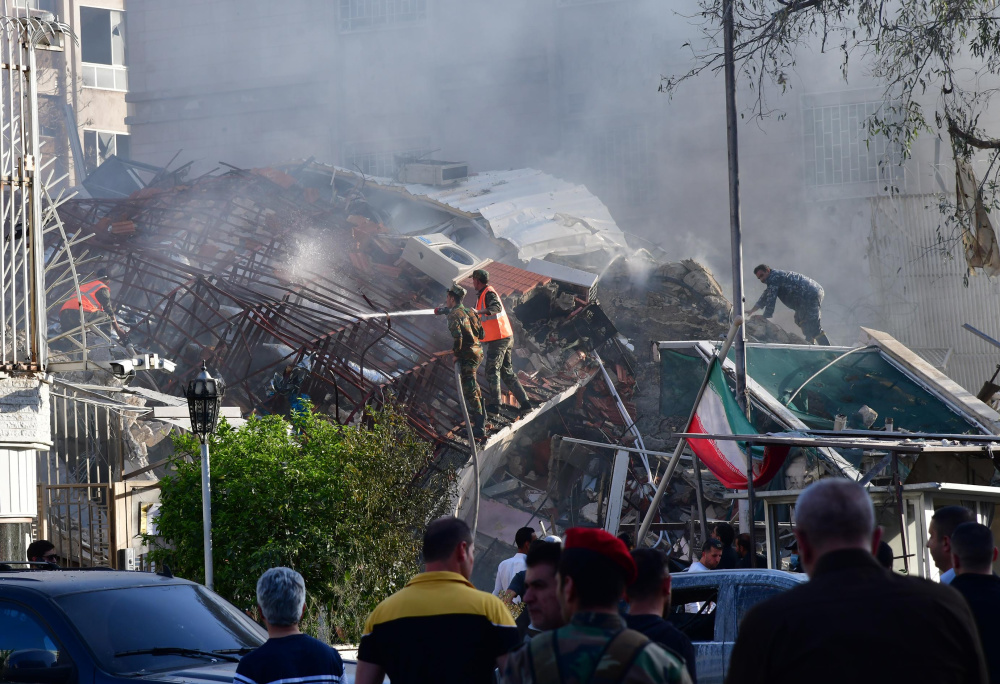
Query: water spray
[{"x": 383, "y": 314}]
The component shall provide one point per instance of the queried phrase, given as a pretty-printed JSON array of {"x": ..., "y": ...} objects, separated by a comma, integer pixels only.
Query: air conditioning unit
[
  {"x": 430, "y": 172},
  {"x": 441, "y": 258},
  {"x": 126, "y": 559}
]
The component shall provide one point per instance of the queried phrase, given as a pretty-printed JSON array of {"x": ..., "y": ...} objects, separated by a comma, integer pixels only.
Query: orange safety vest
[
  {"x": 495, "y": 326},
  {"x": 87, "y": 299}
]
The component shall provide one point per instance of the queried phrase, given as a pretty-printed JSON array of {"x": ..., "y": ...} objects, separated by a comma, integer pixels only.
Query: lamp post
[{"x": 204, "y": 396}]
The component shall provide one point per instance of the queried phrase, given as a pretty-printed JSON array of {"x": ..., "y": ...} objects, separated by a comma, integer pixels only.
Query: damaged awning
[{"x": 804, "y": 388}]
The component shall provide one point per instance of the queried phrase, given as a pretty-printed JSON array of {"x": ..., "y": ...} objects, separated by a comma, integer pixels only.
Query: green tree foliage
[{"x": 342, "y": 505}]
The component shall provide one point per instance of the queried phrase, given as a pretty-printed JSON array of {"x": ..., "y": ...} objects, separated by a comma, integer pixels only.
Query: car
[
  {"x": 106, "y": 626},
  {"x": 708, "y": 607}
]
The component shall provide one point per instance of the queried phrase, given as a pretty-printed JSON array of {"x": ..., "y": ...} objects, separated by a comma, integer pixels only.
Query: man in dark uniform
[
  {"x": 823, "y": 630},
  {"x": 594, "y": 570},
  {"x": 465, "y": 329},
  {"x": 499, "y": 340},
  {"x": 800, "y": 294}
]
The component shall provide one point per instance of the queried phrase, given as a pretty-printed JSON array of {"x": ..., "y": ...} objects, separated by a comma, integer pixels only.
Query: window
[
  {"x": 102, "y": 46},
  {"x": 382, "y": 159},
  {"x": 98, "y": 146},
  {"x": 693, "y": 612},
  {"x": 837, "y": 150},
  {"x": 44, "y": 5},
  {"x": 185, "y": 616},
  {"x": 362, "y": 15},
  {"x": 20, "y": 631}
]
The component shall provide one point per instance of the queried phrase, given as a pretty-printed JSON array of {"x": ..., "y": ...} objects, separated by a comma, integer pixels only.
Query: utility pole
[{"x": 736, "y": 242}]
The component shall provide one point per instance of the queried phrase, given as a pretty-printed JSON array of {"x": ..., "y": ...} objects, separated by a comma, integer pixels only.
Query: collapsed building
[
  {"x": 313, "y": 282},
  {"x": 301, "y": 282}
]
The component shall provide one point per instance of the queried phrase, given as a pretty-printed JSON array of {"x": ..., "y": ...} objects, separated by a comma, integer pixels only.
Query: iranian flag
[{"x": 719, "y": 414}]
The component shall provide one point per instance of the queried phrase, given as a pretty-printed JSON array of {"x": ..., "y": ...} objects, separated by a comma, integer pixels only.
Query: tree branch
[{"x": 971, "y": 140}]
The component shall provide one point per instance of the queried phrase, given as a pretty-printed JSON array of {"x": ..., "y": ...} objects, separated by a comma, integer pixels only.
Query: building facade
[{"x": 82, "y": 87}]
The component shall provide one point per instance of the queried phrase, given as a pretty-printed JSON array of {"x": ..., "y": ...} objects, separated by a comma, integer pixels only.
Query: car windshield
[{"x": 172, "y": 617}]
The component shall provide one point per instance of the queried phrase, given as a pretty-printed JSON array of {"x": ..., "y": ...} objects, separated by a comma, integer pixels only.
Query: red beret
[{"x": 611, "y": 547}]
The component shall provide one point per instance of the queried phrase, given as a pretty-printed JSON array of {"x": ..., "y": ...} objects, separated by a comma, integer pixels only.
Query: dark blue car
[{"x": 90, "y": 627}]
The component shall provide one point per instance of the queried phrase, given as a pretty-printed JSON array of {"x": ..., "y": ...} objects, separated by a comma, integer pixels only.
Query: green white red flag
[{"x": 719, "y": 414}]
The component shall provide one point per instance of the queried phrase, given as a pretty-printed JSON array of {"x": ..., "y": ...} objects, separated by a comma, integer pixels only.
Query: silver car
[{"x": 708, "y": 607}]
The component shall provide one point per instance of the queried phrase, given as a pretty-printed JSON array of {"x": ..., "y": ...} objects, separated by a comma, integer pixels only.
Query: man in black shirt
[
  {"x": 822, "y": 631},
  {"x": 649, "y": 601},
  {"x": 725, "y": 533},
  {"x": 288, "y": 655},
  {"x": 973, "y": 554},
  {"x": 743, "y": 547}
]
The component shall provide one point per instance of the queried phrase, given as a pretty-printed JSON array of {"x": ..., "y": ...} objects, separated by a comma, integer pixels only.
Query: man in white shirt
[
  {"x": 943, "y": 523},
  {"x": 515, "y": 564},
  {"x": 711, "y": 554}
]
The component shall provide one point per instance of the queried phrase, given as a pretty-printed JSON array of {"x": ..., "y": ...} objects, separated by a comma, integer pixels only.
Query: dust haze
[{"x": 566, "y": 86}]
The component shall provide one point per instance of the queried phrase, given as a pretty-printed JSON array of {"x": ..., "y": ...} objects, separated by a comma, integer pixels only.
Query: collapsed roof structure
[
  {"x": 299, "y": 281},
  {"x": 829, "y": 402}
]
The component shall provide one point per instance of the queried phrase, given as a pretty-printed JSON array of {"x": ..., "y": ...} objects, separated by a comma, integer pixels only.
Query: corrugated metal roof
[
  {"x": 507, "y": 281},
  {"x": 537, "y": 213}
]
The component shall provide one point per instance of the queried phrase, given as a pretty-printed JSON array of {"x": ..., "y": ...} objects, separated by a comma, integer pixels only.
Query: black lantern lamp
[{"x": 204, "y": 396}]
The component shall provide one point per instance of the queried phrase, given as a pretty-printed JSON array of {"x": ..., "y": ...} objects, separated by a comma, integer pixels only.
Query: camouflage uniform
[
  {"x": 800, "y": 294},
  {"x": 578, "y": 648},
  {"x": 464, "y": 326},
  {"x": 500, "y": 363}
]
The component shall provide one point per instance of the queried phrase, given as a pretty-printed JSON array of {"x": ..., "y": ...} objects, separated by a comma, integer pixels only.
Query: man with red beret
[{"x": 594, "y": 570}]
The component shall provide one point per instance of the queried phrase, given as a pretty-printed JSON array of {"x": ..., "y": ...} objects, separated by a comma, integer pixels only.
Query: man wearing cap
[
  {"x": 499, "y": 340},
  {"x": 594, "y": 570},
  {"x": 465, "y": 328}
]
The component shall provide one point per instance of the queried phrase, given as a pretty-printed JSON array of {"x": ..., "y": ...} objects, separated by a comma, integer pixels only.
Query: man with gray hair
[
  {"x": 288, "y": 655},
  {"x": 827, "y": 629}
]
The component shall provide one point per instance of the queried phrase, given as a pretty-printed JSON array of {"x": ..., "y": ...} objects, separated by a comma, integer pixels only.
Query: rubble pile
[
  {"x": 275, "y": 278},
  {"x": 280, "y": 279},
  {"x": 678, "y": 300}
]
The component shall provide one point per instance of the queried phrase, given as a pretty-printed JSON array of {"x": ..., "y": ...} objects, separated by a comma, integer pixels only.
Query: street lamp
[{"x": 204, "y": 397}]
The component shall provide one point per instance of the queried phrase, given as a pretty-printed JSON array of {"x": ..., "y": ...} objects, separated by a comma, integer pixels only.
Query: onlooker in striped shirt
[{"x": 288, "y": 655}]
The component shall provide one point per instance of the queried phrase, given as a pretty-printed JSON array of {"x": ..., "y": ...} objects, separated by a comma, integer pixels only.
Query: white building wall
[{"x": 918, "y": 271}]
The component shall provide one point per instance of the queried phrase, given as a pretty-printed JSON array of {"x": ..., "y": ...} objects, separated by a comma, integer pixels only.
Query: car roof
[
  {"x": 754, "y": 576},
  {"x": 59, "y": 582}
]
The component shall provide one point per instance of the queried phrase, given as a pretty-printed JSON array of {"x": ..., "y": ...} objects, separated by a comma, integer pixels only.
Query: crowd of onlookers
[{"x": 598, "y": 612}]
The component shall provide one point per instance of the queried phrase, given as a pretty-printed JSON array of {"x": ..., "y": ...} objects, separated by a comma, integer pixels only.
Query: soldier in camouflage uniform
[
  {"x": 595, "y": 646},
  {"x": 465, "y": 328},
  {"x": 800, "y": 294}
]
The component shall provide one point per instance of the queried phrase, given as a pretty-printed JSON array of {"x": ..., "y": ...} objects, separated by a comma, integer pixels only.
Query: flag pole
[
  {"x": 736, "y": 236},
  {"x": 675, "y": 458}
]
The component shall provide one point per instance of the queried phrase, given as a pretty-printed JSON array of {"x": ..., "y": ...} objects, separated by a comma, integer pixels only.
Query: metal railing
[
  {"x": 76, "y": 518},
  {"x": 22, "y": 284}
]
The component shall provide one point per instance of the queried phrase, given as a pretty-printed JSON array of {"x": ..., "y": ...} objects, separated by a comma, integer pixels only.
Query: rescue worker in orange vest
[
  {"x": 95, "y": 301},
  {"x": 498, "y": 338}
]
